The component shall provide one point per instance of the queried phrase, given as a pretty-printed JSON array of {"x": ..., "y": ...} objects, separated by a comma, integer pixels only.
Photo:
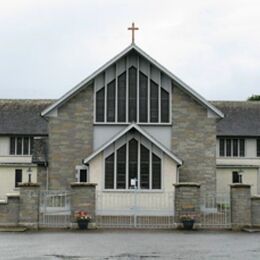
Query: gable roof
[
  {"x": 131, "y": 47},
  {"x": 23, "y": 116},
  {"x": 242, "y": 118},
  {"x": 141, "y": 131}
]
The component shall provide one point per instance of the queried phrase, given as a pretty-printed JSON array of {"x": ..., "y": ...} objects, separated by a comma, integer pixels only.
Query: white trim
[
  {"x": 144, "y": 133},
  {"x": 89, "y": 79}
]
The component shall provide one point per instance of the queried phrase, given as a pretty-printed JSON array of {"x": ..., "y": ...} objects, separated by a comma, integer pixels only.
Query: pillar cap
[
  {"x": 83, "y": 184},
  {"x": 28, "y": 184},
  {"x": 240, "y": 185},
  {"x": 187, "y": 184}
]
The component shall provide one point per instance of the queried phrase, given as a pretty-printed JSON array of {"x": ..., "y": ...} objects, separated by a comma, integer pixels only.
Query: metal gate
[
  {"x": 55, "y": 209},
  {"x": 135, "y": 209},
  {"x": 215, "y": 211}
]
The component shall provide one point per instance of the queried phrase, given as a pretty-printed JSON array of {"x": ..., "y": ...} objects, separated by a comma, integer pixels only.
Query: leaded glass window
[
  {"x": 143, "y": 97},
  {"x": 132, "y": 96},
  {"x": 100, "y": 105},
  {"x": 111, "y": 88},
  {"x": 121, "y": 168},
  {"x": 109, "y": 172},
  {"x": 154, "y": 102},
  {"x": 122, "y": 98},
  {"x": 145, "y": 168}
]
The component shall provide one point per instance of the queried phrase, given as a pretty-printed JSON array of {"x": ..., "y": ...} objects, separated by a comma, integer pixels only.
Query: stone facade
[
  {"x": 83, "y": 198},
  {"x": 29, "y": 205},
  {"x": 255, "y": 206},
  {"x": 240, "y": 206},
  {"x": 9, "y": 211},
  {"x": 70, "y": 138},
  {"x": 187, "y": 201},
  {"x": 194, "y": 141}
]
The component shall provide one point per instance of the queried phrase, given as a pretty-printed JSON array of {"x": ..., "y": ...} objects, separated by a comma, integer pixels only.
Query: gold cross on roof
[{"x": 133, "y": 29}]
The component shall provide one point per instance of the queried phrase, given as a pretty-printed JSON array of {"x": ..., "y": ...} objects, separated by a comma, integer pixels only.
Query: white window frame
[
  {"x": 225, "y": 147},
  {"x": 15, "y": 146}
]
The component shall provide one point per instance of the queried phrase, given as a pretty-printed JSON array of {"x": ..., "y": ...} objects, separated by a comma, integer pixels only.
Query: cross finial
[{"x": 133, "y": 29}]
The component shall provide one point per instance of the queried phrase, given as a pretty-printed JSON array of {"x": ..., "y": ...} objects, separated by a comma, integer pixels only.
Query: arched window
[{"x": 134, "y": 166}]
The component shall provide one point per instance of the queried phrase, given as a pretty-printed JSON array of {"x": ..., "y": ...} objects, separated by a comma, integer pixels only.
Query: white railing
[
  {"x": 55, "y": 208},
  {"x": 215, "y": 210},
  {"x": 135, "y": 209}
]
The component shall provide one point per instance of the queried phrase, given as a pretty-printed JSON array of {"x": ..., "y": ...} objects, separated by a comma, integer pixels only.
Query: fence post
[
  {"x": 29, "y": 205},
  {"x": 240, "y": 206},
  {"x": 187, "y": 201},
  {"x": 83, "y": 197}
]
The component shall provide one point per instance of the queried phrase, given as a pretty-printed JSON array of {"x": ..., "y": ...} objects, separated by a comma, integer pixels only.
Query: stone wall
[
  {"x": 255, "y": 206},
  {"x": 194, "y": 141},
  {"x": 187, "y": 201},
  {"x": 9, "y": 211},
  {"x": 70, "y": 138}
]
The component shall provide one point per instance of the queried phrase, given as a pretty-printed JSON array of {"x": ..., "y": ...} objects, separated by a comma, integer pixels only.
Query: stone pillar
[
  {"x": 255, "y": 211},
  {"x": 83, "y": 197},
  {"x": 240, "y": 206},
  {"x": 187, "y": 201},
  {"x": 29, "y": 205}
]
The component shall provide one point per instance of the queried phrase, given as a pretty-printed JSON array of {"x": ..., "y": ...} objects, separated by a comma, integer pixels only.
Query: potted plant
[
  {"x": 187, "y": 221},
  {"x": 83, "y": 218}
]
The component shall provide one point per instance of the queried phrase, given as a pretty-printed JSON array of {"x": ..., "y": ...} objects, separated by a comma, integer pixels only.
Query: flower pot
[
  {"x": 188, "y": 224},
  {"x": 83, "y": 224}
]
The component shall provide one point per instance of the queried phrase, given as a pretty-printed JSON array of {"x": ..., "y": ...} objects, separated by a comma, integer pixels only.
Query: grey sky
[{"x": 48, "y": 46}]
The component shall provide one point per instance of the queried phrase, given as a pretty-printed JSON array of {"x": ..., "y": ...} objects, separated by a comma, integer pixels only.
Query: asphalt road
[{"x": 125, "y": 244}]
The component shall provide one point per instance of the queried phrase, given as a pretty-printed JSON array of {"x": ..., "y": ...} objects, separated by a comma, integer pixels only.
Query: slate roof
[
  {"x": 22, "y": 116},
  {"x": 242, "y": 118}
]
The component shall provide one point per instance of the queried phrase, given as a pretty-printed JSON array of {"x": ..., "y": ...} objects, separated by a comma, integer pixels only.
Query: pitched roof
[
  {"x": 131, "y": 47},
  {"x": 242, "y": 118},
  {"x": 23, "y": 116},
  {"x": 142, "y": 132}
]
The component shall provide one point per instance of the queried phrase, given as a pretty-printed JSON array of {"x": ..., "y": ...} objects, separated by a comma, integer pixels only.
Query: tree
[{"x": 254, "y": 98}]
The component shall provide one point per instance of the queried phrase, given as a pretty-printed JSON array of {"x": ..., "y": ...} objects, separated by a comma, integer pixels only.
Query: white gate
[
  {"x": 215, "y": 211},
  {"x": 135, "y": 209},
  {"x": 55, "y": 209}
]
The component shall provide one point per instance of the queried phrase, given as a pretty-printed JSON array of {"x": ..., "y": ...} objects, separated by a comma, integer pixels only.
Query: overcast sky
[{"x": 48, "y": 46}]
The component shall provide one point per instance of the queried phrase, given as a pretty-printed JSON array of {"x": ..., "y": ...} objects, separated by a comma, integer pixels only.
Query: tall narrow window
[
  {"x": 111, "y": 88},
  {"x": 228, "y": 147},
  {"x": 83, "y": 175},
  {"x": 100, "y": 105},
  {"x": 18, "y": 177},
  {"x": 109, "y": 172},
  {"x": 26, "y": 145},
  {"x": 165, "y": 106},
  {"x": 242, "y": 147},
  {"x": 221, "y": 147},
  {"x": 144, "y": 168},
  {"x": 12, "y": 145},
  {"x": 156, "y": 172},
  {"x": 133, "y": 160},
  {"x": 235, "y": 147},
  {"x": 143, "y": 98},
  {"x": 258, "y": 147},
  {"x": 19, "y": 141},
  {"x": 154, "y": 102},
  {"x": 121, "y": 106},
  {"x": 132, "y": 99},
  {"x": 121, "y": 168}
]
